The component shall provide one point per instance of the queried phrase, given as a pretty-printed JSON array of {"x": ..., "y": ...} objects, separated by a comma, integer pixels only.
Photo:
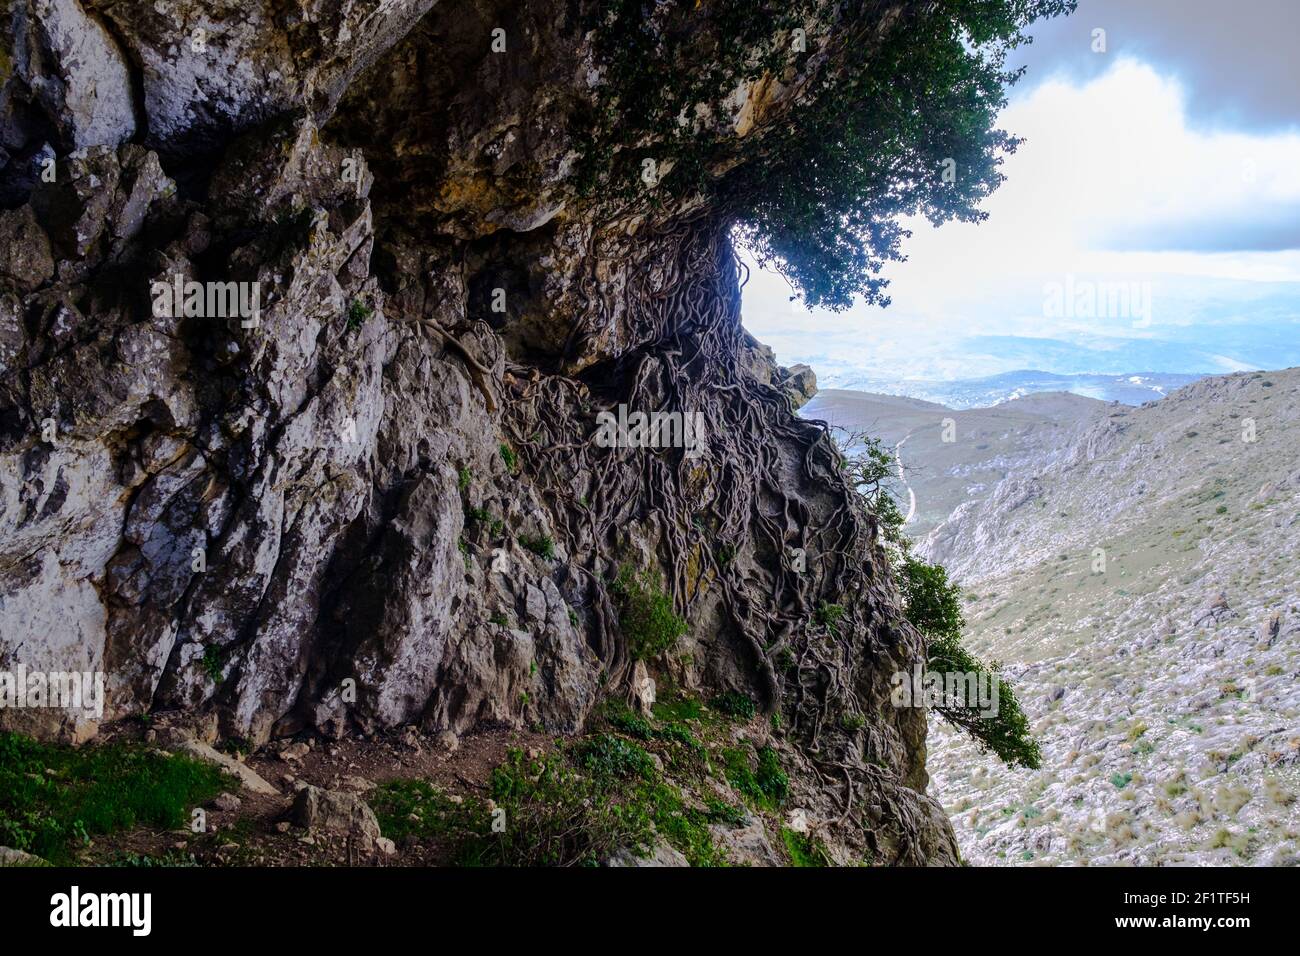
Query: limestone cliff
[{"x": 374, "y": 499}]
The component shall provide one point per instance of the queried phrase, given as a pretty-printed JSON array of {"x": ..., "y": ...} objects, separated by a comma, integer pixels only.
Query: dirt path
[{"x": 911, "y": 495}]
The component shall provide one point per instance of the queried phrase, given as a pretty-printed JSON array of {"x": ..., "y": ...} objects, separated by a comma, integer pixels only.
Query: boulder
[{"x": 337, "y": 812}]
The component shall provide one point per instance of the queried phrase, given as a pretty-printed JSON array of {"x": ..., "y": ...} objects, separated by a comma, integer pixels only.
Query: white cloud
[{"x": 1103, "y": 162}]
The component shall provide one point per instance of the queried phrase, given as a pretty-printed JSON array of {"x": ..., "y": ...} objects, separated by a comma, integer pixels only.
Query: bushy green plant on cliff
[
  {"x": 645, "y": 612},
  {"x": 932, "y": 604},
  {"x": 542, "y": 545}
]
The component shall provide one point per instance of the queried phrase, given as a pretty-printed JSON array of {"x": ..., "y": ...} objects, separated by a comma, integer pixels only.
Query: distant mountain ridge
[{"x": 1130, "y": 388}]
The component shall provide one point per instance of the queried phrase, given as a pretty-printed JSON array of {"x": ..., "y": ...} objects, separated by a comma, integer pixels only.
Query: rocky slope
[
  {"x": 1139, "y": 579},
  {"x": 953, "y": 457},
  {"x": 375, "y": 499}
]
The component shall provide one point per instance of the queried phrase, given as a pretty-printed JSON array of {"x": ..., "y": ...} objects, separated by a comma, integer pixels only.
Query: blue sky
[{"x": 1167, "y": 165}]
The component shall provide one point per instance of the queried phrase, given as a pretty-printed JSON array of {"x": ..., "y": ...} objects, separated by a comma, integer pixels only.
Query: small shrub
[
  {"x": 853, "y": 722},
  {"x": 211, "y": 663},
  {"x": 678, "y": 707},
  {"x": 719, "y": 811},
  {"x": 767, "y": 785},
  {"x": 622, "y": 718},
  {"x": 358, "y": 312},
  {"x": 542, "y": 545},
  {"x": 736, "y": 705},
  {"x": 646, "y": 613},
  {"x": 607, "y": 756},
  {"x": 509, "y": 457},
  {"x": 413, "y": 808},
  {"x": 828, "y": 615},
  {"x": 555, "y": 816},
  {"x": 803, "y": 849}
]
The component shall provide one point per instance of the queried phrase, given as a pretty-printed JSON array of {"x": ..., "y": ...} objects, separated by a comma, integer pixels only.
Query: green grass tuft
[
  {"x": 54, "y": 797},
  {"x": 542, "y": 545}
]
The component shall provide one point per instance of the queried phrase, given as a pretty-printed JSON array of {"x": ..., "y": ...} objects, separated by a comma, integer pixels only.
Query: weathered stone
[
  {"x": 248, "y": 778},
  {"x": 661, "y": 855},
  {"x": 333, "y": 811},
  {"x": 746, "y": 845},
  {"x": 17, "y": 858}
]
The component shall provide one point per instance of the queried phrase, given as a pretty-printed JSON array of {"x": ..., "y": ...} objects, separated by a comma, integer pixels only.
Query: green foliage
[
  {"x": 53, "y": 797},
  {"x": 869, "y": 467},
  {"x": 211, "y": 663},
  {"x": 686, "y": 828},
  {"x": 932, "y": 603},
  {"x": 897, "y": 123},
  {"x": 634, "y": 725},
  {"x": 555, "y": 810},
  {"x": 645, "y": 612},
  {"x": 678, "y": 707},
  {"x": 803, "y": 849},
  {"x": 608, "y": 756},
  {"x": 358, "y": 312},
  {"x": 719, "y": 811},
  {"x": 553, "y": 816},
  {"x": 827, "y": 615},
  {"x": 414, "y": 808},
  {"x": 463, "y": 478},
  {"x": 736, "y": 705},
  {"x": 1007, "y": 733},
  {"x": 542, "y": 545},
  {"x": 763, "y": 782},
  {"x": 509, "y": 457},
  {"x": 823, "y": 201}
]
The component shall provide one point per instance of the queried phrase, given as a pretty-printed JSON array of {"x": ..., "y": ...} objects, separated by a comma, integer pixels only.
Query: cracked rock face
[{"x": 256, "y": 398}]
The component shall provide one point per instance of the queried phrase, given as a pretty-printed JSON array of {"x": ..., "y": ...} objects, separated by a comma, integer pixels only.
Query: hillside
[
  {"x": 1139, "y": 578},
  {"x": 986, "y": 444}
]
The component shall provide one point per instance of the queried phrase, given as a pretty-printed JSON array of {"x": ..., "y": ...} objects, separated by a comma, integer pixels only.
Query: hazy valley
[{"x": 1135, "y": 570}]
